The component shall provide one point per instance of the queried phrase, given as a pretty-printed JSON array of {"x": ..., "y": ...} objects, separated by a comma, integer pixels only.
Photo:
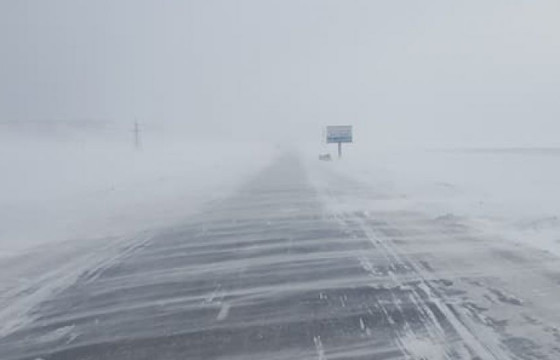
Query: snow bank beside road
[
  {"x": 60, "y": 190},
  {"x": 512, "y": 193}
]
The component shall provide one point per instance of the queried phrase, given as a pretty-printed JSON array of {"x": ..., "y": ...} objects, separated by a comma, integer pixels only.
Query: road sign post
[
  {"x": 339, "y": 150},
  {"x": 339, "y": 135}
]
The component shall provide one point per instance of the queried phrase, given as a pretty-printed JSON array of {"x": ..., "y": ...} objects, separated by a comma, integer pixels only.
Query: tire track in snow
[{"x": 438, "y": 344}]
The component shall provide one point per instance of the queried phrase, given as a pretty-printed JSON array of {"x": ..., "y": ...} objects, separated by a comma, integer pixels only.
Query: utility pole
[{"x": 137, "y": 143}]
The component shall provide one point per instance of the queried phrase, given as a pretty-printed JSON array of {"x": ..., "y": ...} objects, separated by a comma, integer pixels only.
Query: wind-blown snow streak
[{"x": 71, "y": 262}]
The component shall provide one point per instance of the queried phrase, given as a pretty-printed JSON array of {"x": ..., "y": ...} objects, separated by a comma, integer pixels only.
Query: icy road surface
[{"x": 296, "y": 266}]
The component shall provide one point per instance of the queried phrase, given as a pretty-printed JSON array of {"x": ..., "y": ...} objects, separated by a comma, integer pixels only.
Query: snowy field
[
  {"x": 76, "y": 190},
  {"x": 54, "y": 190},
  {"x": 509, "y": 193}
]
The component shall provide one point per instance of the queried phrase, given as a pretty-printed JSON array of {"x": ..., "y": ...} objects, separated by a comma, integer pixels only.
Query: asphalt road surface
[{"x": 293, "y": 267}]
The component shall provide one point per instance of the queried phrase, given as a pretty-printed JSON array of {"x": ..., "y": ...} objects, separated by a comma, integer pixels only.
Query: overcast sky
[{"x": 435, "y": 73}]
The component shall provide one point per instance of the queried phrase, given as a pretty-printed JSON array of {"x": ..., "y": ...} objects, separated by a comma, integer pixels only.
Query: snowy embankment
[
  {"x": 510, "y": 193},
  {"x": 62, "y": 190}
]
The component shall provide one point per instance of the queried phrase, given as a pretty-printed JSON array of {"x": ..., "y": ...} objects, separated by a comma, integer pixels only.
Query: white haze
[
  {"x": 221, "y": 87},
  {"x": 430, "y": 73}
]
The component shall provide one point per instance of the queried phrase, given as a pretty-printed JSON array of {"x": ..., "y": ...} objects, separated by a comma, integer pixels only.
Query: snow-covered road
[{"x": 296, "y": 266}]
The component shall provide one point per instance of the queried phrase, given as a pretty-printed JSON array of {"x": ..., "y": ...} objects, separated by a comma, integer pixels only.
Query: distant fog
[{"x": 429, "y": 73}]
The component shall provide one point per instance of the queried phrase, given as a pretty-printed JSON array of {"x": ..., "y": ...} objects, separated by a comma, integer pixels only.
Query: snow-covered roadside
[
  {"x": 60, "y": 190},
  {"x": 511, "y": 193},
  {"x": 464, "y": 257}
]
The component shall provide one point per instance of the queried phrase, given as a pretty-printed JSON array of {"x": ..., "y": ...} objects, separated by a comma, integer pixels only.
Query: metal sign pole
[{"x": 340, "y": 150}]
